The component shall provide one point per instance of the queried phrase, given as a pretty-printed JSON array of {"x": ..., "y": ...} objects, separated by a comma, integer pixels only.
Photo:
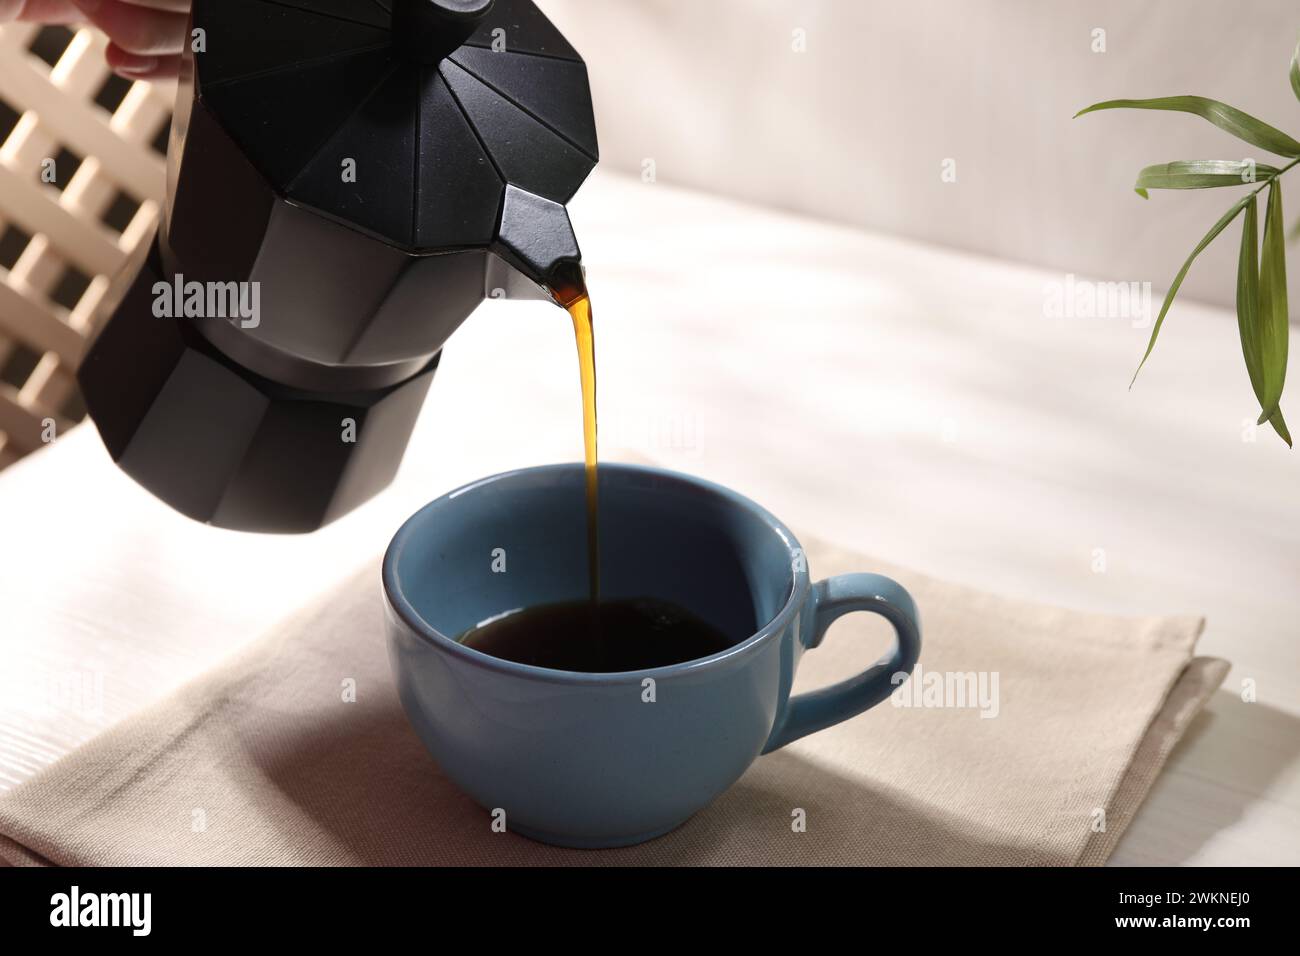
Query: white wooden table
[{"x": 913, "y": 402}]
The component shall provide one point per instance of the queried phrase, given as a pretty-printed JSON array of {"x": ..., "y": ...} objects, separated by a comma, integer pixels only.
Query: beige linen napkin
[{"x": 264, "y": 761}]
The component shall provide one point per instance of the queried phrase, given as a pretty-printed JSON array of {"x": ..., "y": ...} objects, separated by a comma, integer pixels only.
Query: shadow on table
[
  {"x": 1249, "y": 744},
  {"x": 365, "y": 780}
]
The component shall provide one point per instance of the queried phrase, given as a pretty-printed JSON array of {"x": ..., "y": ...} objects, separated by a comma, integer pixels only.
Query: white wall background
[{"x": 856, "y": 128}]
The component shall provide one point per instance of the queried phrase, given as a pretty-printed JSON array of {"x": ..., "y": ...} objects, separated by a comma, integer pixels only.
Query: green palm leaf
[
  {"x": 1202, "y": 174},
  {"x": 1248, "y": 312},
  {"x": 1273, "y": 319},
  {"x": 1209, "y": 237},
  {"x": 1295, "y": 71},
  {"x": 1228, "y": 118},
  {"x": 1248, "y": 297}
]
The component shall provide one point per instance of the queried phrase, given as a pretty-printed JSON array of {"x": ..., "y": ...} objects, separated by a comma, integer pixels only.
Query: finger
[
  {"x": 135, "y": 66},
  {"x": 136, "y": 29},
  {"x": 42, "y": 11},
  {"x": 176, "y": 6}
]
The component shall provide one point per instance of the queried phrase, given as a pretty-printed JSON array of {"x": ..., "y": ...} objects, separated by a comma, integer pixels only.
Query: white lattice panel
[{"x": 81, "y": 182}]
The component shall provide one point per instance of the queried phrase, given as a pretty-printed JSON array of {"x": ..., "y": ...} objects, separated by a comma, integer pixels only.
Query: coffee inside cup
[{"x": 610, "y": 636}]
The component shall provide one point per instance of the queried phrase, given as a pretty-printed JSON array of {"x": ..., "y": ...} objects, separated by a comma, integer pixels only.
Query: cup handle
[{"x": 831, "y": 599}]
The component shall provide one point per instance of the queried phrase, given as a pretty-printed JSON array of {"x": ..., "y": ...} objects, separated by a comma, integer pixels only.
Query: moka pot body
[{"x": 339, "y": 201}]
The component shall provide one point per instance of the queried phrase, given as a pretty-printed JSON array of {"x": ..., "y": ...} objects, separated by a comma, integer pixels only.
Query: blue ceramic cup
[{"x": 600, "y": 760}]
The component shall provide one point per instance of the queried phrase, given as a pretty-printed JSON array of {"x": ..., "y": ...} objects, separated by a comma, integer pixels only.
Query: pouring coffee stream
[{"x": 569, "y": 288}]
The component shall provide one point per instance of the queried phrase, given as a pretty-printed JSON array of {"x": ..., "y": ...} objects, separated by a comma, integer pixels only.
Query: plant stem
[{"x": 1255, "y": 192}]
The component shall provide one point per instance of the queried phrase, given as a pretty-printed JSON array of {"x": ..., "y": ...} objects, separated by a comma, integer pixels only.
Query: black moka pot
[{"x": 347, "y": 180}]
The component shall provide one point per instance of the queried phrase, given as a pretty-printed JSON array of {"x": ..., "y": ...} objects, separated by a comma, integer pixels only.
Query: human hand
[{"x": 145, "y": 36}]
